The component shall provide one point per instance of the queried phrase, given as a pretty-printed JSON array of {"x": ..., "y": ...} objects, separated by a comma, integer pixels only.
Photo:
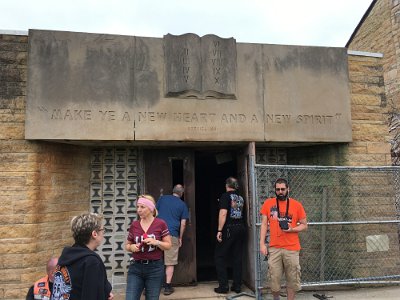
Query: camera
[{"x": 284, "y": 224}]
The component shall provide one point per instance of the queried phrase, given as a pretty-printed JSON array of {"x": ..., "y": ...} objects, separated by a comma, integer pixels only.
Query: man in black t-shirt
[{"x": 230, "y": 237}]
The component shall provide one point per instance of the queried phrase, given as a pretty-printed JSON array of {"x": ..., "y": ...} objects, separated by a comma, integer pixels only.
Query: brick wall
[{"x": 42, "y": 184}]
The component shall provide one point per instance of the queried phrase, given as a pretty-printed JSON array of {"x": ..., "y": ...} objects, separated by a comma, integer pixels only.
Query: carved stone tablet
[
  {"x": 200, "y": 67},
  {"x": 219, "y": 67},
  {"x": 182, "y": 65}
]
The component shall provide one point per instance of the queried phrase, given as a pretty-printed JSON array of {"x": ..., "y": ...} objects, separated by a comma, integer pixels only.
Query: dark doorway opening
[
  {"x": 177, "y": 173},
  {"x": 211, "y": 170}
]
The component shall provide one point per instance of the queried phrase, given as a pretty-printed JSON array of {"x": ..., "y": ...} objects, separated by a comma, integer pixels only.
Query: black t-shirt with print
[{"x": 234, "y": 204}]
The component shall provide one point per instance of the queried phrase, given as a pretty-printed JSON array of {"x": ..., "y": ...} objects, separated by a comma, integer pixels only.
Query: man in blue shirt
[{"x": 175, "y": 213}]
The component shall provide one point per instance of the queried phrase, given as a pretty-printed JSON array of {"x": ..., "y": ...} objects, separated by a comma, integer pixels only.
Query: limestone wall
[
  {"x": 42, "y": 184},
  {"x": 380, "y": 32}
]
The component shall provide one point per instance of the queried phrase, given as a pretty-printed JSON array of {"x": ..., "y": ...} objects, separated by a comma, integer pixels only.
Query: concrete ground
[{"x": 205, "y": 291}]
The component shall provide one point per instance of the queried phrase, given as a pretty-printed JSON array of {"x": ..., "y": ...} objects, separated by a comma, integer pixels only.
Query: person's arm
[
  {"x": 165, "y": 244},
  {"x": 29, "y": 296},
  {"x": 221, "y": 223},
  {"x": 301, "y": 226},
  {"x": 130, "y": 247},
  {"x": 94, "y": 280},
  {"x": 263, "y": 234},
  {"x": 181, "y": 231}
]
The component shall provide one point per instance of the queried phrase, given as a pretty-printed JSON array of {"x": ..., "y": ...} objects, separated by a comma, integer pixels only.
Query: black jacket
[{"x": 81, "y": 274}]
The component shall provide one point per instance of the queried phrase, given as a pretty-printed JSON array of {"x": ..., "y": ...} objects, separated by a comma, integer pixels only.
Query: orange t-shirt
[{"x": 279, "y": 238}]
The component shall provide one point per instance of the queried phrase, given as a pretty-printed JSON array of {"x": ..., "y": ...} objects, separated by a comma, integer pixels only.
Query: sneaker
[
  {"x": 168, "y": 290},
  {"x": 221, "y": 290}
]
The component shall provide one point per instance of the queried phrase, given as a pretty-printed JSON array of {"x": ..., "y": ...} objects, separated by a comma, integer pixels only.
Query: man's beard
[{"x": 281, "y": 197}]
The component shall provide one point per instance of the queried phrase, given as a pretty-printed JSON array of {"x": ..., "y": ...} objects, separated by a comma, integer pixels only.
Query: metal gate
[{"x": 353, "y": 215}]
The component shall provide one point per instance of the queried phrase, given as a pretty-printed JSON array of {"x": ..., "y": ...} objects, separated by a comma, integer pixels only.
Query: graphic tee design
[
  {"x": 273, "y": 214},
  {"x": 237, "y": 203},
  {"x": 62, "y": 284}
]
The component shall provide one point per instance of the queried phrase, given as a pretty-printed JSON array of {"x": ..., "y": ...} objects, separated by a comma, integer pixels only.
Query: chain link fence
[{"x": 353, "y": 214}]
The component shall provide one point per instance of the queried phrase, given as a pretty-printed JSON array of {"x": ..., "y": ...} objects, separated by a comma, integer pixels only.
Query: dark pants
[{"x": 231, "y": 248}]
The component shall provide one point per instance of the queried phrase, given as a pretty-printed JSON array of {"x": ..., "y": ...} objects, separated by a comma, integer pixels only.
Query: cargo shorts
[
  {"x": 282, "y": 261},
  {"x": 171, "y": 255}
]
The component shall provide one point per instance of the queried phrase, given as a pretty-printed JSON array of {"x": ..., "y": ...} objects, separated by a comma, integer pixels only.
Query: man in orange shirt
[{"x": 286, "y": 218}]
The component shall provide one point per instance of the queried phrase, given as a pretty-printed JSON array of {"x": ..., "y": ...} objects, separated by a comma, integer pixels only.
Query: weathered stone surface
[
  {"x": 229, "y": 76},
  {"x": 200, "y": 67},
  {"x": 299, "y": 84},
  {"x": 383, "y": 148},
  {"x": 363, "y": 99}
]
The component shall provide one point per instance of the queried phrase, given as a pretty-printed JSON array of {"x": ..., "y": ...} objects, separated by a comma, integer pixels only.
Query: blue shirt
[{"x": 172, "y": 210}]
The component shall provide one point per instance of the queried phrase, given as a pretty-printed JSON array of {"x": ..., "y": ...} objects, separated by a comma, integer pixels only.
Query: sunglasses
[{"x": 280, "y": 189}]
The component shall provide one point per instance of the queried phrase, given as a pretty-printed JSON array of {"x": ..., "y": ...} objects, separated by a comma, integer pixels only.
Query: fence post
[{"x": 323, "y": 236}]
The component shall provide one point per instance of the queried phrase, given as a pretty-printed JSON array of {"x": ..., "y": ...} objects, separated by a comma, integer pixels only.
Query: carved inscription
[
  {"x": 182, "y": 65},
  {"x": 71, "y": 114},
  {"x": 197, "y": 122},
  {"x": 216, "y": 62},
  {"x": 302, "y": 119},
  {"x": 88, "y": 115},
  {"x": 219, "y": 67},
  {"x": 190, "y": 117},
  {"x": 185, "y": 64},
  {"x": 200, "y": 67}
]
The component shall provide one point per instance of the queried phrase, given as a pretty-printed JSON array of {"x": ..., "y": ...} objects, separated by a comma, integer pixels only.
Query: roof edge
[
  {"x": 366, "y": 14},
  {"x": 13, "y": 32}
]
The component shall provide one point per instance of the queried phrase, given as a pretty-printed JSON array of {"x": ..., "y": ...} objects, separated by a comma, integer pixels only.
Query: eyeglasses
[
  {"x": 280, "y": 189},
  {"x": 103, "y": 229}
]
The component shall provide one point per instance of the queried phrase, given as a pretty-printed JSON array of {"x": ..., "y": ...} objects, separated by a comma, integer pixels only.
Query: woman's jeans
[{"x": 145, "y": 276}]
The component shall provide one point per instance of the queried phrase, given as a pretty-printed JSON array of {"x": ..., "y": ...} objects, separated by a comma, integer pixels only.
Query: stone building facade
[
  {"x": 379, "y": 31},
  {"x": 45, "y": 183}
]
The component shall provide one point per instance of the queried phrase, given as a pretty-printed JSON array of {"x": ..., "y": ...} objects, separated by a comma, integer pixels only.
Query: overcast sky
[{"x": 290, "y": 22}]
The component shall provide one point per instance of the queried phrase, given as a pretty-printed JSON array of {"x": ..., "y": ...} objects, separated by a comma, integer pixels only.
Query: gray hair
[{"x": 178, "y": 189}]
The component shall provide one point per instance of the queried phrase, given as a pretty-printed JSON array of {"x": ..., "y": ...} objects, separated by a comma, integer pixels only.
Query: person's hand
[
  {"x": 135, "y": 247},
  {"x": 151, "y": 242},
  {"x": 219, "y": 236},
  {"x": 111, "y": 296},
  {"x": 290, "y": 229},
  {"x": 263, "y": 249}
]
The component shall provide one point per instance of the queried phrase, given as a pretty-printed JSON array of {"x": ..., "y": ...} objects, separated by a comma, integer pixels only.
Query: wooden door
[
  {"x": 162, "y": 168},
  {"x": 246, "y": 156}
]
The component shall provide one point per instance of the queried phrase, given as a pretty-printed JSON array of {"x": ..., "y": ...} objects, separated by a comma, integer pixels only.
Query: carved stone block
[{"x": 200, "y": 67}]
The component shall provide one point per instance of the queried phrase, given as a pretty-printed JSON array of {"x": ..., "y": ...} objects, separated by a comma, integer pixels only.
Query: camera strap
[{"x": 287, "y": 208}]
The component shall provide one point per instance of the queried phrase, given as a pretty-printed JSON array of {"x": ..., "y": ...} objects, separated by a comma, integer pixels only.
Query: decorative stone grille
[{"x": 113, "y": 192}]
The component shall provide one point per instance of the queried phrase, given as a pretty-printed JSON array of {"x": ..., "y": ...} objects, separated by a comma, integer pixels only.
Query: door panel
[
  {"x": 244, "y": 168},
  {"x": 159, "y": 180}
]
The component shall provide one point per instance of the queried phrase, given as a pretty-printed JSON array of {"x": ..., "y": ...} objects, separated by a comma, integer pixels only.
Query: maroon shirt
[{"x": 158, "y": 229}]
